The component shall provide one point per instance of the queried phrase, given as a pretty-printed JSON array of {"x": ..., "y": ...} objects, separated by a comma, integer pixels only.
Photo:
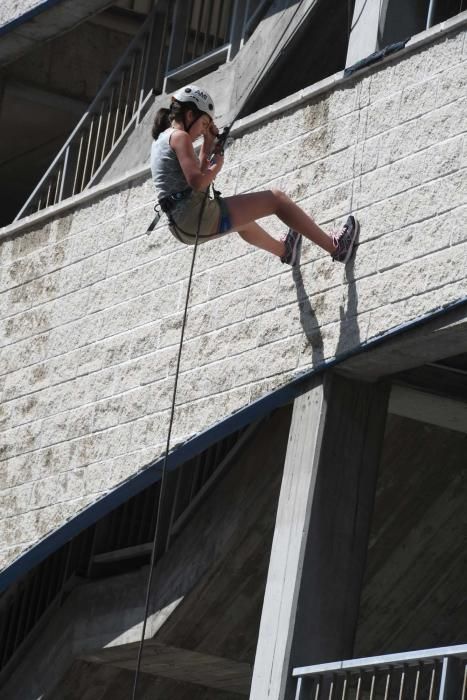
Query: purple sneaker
[
  {"x": 293, "y": 242},
  {"x": 344, "y": 240}
]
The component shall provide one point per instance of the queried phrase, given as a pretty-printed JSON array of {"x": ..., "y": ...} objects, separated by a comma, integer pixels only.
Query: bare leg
[
  {"x": 246, "y": 208},
  {"x": 257, "y": 236}
]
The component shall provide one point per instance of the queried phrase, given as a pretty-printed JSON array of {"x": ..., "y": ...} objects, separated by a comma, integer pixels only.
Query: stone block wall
[
  {"x": 91, "y": 306},
  {"x": 12, "y": 9}
]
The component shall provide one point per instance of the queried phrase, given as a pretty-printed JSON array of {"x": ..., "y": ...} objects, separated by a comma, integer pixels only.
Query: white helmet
[{"x": 202, "y": 99}]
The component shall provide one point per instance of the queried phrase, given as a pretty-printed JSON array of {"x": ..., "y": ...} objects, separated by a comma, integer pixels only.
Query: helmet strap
[{"x": 187, "y": 128}]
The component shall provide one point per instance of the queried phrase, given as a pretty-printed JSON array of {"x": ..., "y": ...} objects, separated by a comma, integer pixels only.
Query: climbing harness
[
  {"x": 166, "y": 204},
  {"x": 222, "y": 140},
  {"x": 169, "y": 202}
]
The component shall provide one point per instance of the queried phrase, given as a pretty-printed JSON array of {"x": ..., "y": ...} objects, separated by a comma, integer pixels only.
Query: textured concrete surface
[
  {"x": 72, "y": 64},
  {"x": 91, "y": 306},
  {"x": 44, "y": 22},
  {"x": 12, "y": 9}
]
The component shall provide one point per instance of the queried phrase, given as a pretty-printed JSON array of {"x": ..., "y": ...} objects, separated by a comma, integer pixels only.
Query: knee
[{"x": 279, "y": 196}]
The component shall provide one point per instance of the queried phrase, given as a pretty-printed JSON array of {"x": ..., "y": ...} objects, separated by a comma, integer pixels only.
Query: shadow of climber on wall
[
  {"x": 349, "y": 332},
  {"x": 308, "y": 319}
]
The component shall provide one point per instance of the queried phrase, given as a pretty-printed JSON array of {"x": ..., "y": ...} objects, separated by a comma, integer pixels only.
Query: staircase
[{"x": 178, "y": 42}]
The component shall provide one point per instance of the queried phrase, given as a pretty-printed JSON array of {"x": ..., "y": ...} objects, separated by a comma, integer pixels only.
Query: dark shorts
[{"x": 185, "y": 218}]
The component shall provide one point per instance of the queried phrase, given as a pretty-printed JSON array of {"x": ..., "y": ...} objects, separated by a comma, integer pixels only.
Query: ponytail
[{"x": 161, "y": 122}]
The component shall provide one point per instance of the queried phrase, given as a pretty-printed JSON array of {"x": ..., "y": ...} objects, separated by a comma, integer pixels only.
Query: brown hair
[{"x": 164, "y": 117}]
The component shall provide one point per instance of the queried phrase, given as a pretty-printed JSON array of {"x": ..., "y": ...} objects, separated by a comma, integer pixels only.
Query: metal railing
[
  {"x": 114, "y": 112},
  {"x": 176, "y": 42},
  {"x": 437, "y": 11},
  {"x": 429, "y": 674}
]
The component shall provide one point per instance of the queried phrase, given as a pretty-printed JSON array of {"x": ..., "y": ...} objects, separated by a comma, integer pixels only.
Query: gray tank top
[{"x": 166, "y": 171}]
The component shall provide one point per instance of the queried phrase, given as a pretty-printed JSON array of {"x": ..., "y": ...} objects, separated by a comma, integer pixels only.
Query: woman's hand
[
  {"x": 211, "y": 133},
  {"x": 210, "y": 155}
]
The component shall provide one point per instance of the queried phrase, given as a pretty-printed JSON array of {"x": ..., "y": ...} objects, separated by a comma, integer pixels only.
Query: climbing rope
[
  {"x": 221, "y": 140},
  {"x": 166, "y": 454}
]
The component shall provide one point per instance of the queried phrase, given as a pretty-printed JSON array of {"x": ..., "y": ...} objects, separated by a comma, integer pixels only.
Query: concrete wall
[
  {"x": 92, "y": 306},
  {"x": 74, "y": 64},
  {"x": 11, "y": 10},
  {"x": 41, "y": 21}
]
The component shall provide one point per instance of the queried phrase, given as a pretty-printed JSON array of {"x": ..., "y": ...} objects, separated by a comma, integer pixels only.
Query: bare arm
[
  {"x": 207, "y": 147},
  {"x": 198, "y": 177}
]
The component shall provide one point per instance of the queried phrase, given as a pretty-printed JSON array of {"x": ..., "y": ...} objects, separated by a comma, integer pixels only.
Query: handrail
[
  {"x": 83, "y": 142},
  {"x": 371, "y": 662},
  {"x": 438, "y": 673},
  {"x": 143, "y": 70}
]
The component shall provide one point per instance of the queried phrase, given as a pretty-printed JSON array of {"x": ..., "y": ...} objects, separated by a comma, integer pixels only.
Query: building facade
[{"x": 313, "y": 507}]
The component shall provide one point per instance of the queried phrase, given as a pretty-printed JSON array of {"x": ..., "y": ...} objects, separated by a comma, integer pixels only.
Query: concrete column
[
  {"x": 320, "y": 541},
  {"x": 2, "y": 93},
  {"x": 365, "y": 29}
]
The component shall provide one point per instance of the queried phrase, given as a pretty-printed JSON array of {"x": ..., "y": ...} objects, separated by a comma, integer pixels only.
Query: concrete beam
[
  {"x": 444, "y": 336},
  {"x": 320, "y": 541},
  {"x": 42, "y": 23},
  {"x": 428, "y": 408},
  {"x": 182, "y": 665},
  {"x": 30, "y": 93},
  {"x": 365, "y": 30},
  {"x": 271, "y": 667},
  {"x": 438, "y": 379}
]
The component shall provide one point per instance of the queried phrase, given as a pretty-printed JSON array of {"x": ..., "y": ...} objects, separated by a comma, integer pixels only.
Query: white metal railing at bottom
[{"x": 429, "y": 674}]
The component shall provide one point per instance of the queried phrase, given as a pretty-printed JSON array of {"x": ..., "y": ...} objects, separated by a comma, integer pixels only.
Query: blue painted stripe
[
  {"x": 28, "y": 16},
  {"x": 152, "y": 472}
]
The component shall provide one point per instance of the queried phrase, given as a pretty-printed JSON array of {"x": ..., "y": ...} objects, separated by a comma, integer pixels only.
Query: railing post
[
  {"x": 154, "y": 50},
  {"x": 180, "y": 18},
  {"x": 64, "y": 174},
  {"x": 303, "y": 691},
  {"x": 450, "y": 682},
  {"x": 236, "y": 28},
  {"x": 431, "y": 12}
]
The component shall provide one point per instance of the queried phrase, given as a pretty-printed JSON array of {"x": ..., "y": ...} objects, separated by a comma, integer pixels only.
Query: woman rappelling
[{"x": 181, "y": 178}]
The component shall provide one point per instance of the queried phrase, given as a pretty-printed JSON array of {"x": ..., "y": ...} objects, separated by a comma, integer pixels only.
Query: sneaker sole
[{"x": 354, "y": 238}]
